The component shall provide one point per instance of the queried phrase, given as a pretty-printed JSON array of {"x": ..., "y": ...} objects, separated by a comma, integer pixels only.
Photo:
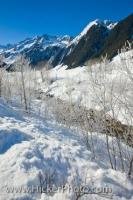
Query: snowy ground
[
  {"x": 31, "y": 147},
  {"x": 36, "y": 151},
  {"x": 90, "y": 86}
]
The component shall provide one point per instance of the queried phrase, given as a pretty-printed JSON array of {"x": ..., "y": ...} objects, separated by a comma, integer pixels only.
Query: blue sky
[{"x": 26, "y": 18}]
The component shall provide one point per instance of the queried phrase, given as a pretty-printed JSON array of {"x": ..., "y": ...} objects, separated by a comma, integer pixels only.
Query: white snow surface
[
  {"x": 85, "y": 86},
  {"x": 30, "y": 145}
]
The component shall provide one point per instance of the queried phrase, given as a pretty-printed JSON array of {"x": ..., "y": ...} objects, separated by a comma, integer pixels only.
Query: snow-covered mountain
[
  {"x": 39, "y": 48},
  {"x": 96, "y": 39},
  {"x": 106, "y": 23},
  {"x": 48, "y": 48},
  {"x": 88, "y": 43},
  {"x": 99, "y": 38}
]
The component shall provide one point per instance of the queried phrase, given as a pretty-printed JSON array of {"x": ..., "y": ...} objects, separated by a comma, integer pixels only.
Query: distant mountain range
[
  {"x": 97, "y": 39},
  {"x": 41, "y": 48}
]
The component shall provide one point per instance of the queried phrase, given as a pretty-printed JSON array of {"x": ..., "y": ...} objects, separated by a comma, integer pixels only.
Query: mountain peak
[
  {"x": 109, "y": 24},
  {"x": 106, "y": 23}
]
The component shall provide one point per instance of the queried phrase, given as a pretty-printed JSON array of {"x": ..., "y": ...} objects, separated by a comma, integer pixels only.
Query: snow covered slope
[
  {"x": 85, "y": 86},
  {"x": 33, "y": 150}
]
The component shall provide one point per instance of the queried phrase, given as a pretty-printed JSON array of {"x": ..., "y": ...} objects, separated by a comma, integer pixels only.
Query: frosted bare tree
[
  {"x": 22, "y": 66},
  {"x": 2, "y": 72},
  {"x": 126, "y": 65},
  {"x": 110, "y": 93}
]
